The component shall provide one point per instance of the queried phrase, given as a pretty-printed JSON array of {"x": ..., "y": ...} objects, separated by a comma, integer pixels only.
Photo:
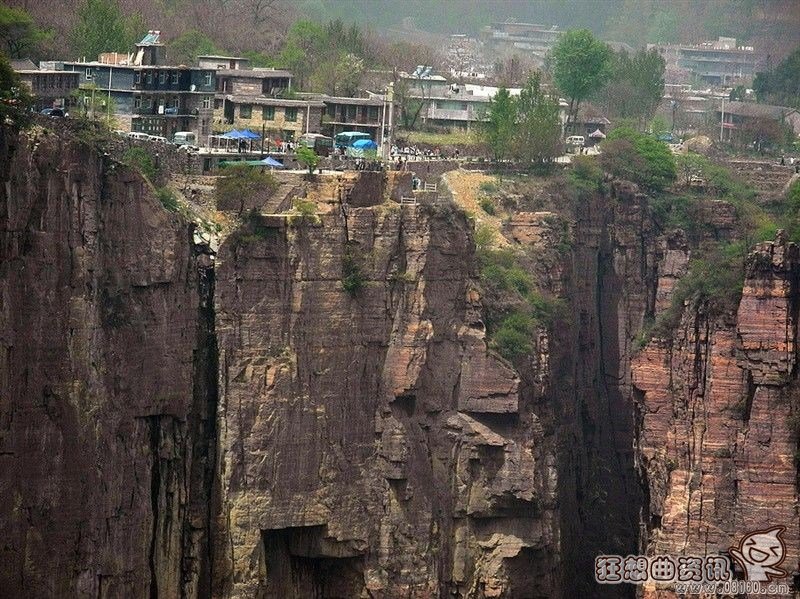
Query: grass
[
  {"x": 304, "y": 211},
  {"x": 487, "y": 205},
  {"x": 167, "y": 198}
]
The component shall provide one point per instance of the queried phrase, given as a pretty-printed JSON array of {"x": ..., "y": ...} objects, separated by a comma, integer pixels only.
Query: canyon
[{"x": 315, "y": 408}]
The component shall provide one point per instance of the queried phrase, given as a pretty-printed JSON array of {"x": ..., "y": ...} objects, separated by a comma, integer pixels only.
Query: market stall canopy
[
  {"x": 234, "y": 134},
  {"x": 247, "y": 134},
  {"x": 269, "y": 161},
  {"x": 597, "y": 134}
]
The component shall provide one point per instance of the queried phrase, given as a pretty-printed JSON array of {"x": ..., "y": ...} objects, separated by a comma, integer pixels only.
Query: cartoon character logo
[{"x": 760, "y": 553}]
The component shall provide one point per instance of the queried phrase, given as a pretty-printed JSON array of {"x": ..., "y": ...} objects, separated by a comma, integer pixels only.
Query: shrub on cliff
[
  {"x": 639, "y": 158},
  {"x": 239, "y": 184},
  {"x": 140, "y": 159},
  {"x": 15, "y": 100},
  {"x": 353, "y": 279}
]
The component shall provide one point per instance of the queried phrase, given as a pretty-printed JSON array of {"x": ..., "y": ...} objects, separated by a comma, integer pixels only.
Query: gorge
[{"x": 317, "y": 408}]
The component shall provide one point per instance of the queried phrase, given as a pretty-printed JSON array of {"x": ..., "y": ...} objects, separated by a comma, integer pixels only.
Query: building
[
  {"x": 50, "y": 87},
  {"x": 747, "y": 121},
  {"x": 275, "y": 118},
  {"x": 148, "y": 95},
  {"x": 719, "y": 62},
  {"x": 352, "y": 114},
  {"x": 527, "y": 38},
  {"x": 233, "y": 63}
]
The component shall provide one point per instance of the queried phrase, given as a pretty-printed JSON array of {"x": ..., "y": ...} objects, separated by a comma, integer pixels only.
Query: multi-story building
[
  {"x": 49, "y": 86},
  {"x": 528, "y": 38},
  {"x": 149, "y": 96},
  {"x": 353, "y": 114},
  {"x": 719, "y": 62},
  {"x": 275, "y": 118}
]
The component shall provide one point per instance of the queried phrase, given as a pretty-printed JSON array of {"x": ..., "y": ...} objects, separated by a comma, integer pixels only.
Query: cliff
[
  {"x": 318, "y": 409},
  {"x": 718, "y": 409},
  {"x": 106, "y": 441}
]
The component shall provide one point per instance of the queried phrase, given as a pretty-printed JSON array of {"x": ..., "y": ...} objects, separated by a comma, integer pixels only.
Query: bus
[
  {"x": 321, "y": 144},
  {"x": 345, "y": 139}
]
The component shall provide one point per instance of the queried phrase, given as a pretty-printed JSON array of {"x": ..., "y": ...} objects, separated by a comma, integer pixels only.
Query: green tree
[
  {"x": 538, "y": 131},
  {"x": 637, "y": 157},
  {"x": 782, "y": 85},
  {"x": 635, "y": 86},
  {"x": 498, "y": 129},
  {"x": 581, "y": 65},
  {"x": 185, "y": 48},
  {"x": 101, "y": 27},
  {"x": 240, "y": 184},
  {"x": 15, "y": 100},
  {"x": 308, "y": 157},
  {"x": 19, "y": 33},
  {"x": 305, "y": 43},
  {"x": 93, "y": 103}
]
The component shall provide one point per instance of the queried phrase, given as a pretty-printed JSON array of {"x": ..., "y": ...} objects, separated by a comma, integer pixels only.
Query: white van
[
  {"x": 184, "y": 138},
  {"x": 576, "y": 140},
  {"x": 138, "y": 135}
]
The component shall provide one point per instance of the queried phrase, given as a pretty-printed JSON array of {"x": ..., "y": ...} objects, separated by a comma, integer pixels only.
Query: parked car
[
  {"x": 181, "y": 138},
  {"x": 138, "y": 135},
  {"x": 54, "y": 112}
]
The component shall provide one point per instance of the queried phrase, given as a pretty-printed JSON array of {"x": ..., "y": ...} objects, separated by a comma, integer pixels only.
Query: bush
[
  {"x": 487, "y": 205},
  {"x": 308, "y": 157},
  {"x": 305, "y": 211},
  {"x": 714, "y": 281},
  {"x": 254, "y": 229},
  {"x": 353, "y": 279},
  {"x": 636, "y": 157},
  {"x": 585, "y": 175},
  {"x": 140, "y": 159},
  {"x": 167, "y": 198},
  {"x": 240, "y": 183},
  {"x": 485, "y": 236},
  {"x": 513, "y": 307},
  {"x": 488, "y": 187}
]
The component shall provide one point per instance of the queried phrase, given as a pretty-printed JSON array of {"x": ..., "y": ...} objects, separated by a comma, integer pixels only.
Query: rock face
[
  {"x": 369, "y": 444},
  {"x": 718, "y": 404},
  {"x": 317, "y": 414},
  {"x": 106, "y": 440}
]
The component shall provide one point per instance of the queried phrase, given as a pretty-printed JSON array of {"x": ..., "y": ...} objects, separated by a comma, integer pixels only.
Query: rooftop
[
  {"x": 751, "y": 109},
  {"x": 254, "y": 73}
]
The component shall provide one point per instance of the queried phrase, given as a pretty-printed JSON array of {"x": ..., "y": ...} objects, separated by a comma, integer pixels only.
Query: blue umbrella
[
  {"x": 269, "y": 161},
  {"x": 365, "y": 144}
]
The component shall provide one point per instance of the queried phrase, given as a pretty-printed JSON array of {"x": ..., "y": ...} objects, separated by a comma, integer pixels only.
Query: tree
[
  {"x": 101, "y": 27},
  {"x": 637, "y": 157},
  {"x": 580, "y": 67},
  {"x": 185, "y": 48},
  {"x": 538, "y": 131},
  {"x": 498, "y": 129},
  {"x": 304, "y": 44},
  {"x": 782, "y": 85},
  {"x": 19, "y": 33},
  {"x": 93, "y": 103},
  {"x": 636, "y": 85},
  {"x": 15, "y": 100},
  {"x": 308, "y": 157},
  {"x": 241, "y": 186}
]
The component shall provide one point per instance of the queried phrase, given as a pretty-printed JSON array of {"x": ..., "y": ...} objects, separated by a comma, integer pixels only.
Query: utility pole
[
  {"x": 722, "y": 119},
  {"x": 390, "y": 98},
  {"x": 308, "y": 115},
  {"x": 384, "y": 152}
]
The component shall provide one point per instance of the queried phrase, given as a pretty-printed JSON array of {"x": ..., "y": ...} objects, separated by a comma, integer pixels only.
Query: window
[
  {"x": 351, "y": 113},
  {"x": 288, "y": 135},
  {"x": 206, "y": 101},
  {"x": 174, "y": 77},
  {"x": 137, "y": 102},
  {"x": 217, "y": 104},
  {"x": 208, "y": 78},
  {"x": 245, "y": 111},
  {"x": 137, "y": 78},
  {"x": 149, "y": 77},
  {"x": 291, "y": 114},
  {"x": 88, "y": 74},
  {"x": 464, "y": 106},
  {"x": 268, "y": 113},
  {"x": 162, "y": 77},
  {"x": 373, "y": 113}
]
